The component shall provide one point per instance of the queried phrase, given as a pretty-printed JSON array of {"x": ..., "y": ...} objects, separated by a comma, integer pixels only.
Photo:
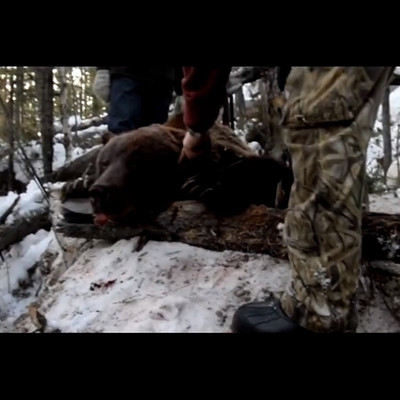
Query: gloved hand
[{"x": 101, "y": 85}]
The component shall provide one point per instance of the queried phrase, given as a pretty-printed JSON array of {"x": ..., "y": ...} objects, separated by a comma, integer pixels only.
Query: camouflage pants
[{"x": 323, "y": 221}]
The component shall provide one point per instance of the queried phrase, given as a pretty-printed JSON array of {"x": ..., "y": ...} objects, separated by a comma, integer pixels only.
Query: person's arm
[
  {"x": 101, "y": 83},
  {"x": 204, "y": 91}
]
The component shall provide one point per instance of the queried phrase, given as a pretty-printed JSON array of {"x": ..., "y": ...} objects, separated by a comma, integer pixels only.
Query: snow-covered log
[
  {"x": 23, "y": 226},
  {"x": 75, "y": 168},
  {"x": 95, "y": 121},
  {"x": 257, "y": 230},
  {"x": 9, "y": 210}
]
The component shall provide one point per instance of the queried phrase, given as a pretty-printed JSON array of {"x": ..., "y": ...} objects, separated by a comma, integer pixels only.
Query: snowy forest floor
[{"x": 164, "y": 287}]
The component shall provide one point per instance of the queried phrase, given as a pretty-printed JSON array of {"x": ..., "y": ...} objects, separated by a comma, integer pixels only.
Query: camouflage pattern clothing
[{"x": 328, "y": 122}]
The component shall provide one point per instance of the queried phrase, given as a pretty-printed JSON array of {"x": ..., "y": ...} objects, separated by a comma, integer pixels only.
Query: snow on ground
[
  {"x": 250, "y": 91},
  {"x": 74, "y": 120},
  {"x": 83, "y": 133},
  {"x": 164, "y": 287},
  {"x": 6, "y": 201},
  {"x": 375, "y": 148},
  {"x": 394, "y": 103},
  {"x": 169, "y": 287},
  {"x": 374, "y": 152},
  {"x": 30, "y": 201},
  {"x": 33, "y": 151},
  {"x": 17, "y": 289},
  {"x": 386, "y": 203}
]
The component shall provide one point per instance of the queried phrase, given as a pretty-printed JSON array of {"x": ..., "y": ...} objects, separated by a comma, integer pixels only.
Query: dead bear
[{"x": 138, "y": 174}]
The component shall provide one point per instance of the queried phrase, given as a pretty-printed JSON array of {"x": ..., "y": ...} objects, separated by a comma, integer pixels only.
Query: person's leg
[
  {"x": 156, "y": 102},
  {"x": 323, "y": 221},
  {"x": 125, "y": 109}
]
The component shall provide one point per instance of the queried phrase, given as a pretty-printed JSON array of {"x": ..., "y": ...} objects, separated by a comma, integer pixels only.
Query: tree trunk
[
  {"x": 268, "y": 110},
  {"x": 81, "y": 89},
  {"x": 97, "y": 105},
  {"x": 11, "y": 107},
  {"x": 45, "y": 94},
  {"x": 66, "y": 130},
  {"x": 257, "y": 230},
  {"x": 387, "y": 140},
  {"x": 19, "y": 98},
  {"x": 226, "y": 114},
  {"x": 240, "y": 108},
  {"x": 273, "y": 102},
  {"x": 85, "y": 75}
]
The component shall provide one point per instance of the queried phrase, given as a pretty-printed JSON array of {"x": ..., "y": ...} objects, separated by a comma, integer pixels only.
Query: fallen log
[
  {"x": 76, "y": 168},
  {"x": 386, "y": 278},
  {"x": 23, "y": 226},
  {"x": 95, "y": 121},
  {"x": 9, "y": 210},
  {"x": 258, "y": 230}
]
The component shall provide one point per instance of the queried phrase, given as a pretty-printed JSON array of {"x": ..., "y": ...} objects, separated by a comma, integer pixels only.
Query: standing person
[
  {"x": 328, "y": 122},
  {"x": 137, "y": 96}
]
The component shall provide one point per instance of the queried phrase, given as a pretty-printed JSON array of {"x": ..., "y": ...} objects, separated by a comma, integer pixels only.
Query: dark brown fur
[{"x": 139, "y": 172}]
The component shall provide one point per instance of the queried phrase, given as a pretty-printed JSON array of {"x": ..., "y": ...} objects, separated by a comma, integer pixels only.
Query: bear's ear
[{"x": 105, "y": 138}]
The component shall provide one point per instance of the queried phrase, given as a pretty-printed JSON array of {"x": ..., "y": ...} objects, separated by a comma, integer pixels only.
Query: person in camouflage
[{"x": 328, "y": 121}]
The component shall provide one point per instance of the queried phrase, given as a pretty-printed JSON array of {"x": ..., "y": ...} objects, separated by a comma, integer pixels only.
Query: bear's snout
[{"x": 105, "y": 199}]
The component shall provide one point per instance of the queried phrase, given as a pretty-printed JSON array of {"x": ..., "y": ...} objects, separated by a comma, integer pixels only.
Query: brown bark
[{"x": 257, "y": 230}]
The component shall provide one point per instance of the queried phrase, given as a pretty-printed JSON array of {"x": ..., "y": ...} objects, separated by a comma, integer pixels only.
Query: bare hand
[{"x": 195, "y": 146}]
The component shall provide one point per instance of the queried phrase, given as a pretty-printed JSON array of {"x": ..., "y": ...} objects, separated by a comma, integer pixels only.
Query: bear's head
[{"x": 136, "y": 172}]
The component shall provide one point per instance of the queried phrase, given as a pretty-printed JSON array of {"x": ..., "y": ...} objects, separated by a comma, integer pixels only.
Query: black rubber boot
[{"x": 264, "y": 317}]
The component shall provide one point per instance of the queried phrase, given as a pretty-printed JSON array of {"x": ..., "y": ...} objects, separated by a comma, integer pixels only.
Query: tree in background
[
  {"x": 66, "y": 128},
  {"x": 387, "y": 140},
  {"x": 45, "y": 95}
]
